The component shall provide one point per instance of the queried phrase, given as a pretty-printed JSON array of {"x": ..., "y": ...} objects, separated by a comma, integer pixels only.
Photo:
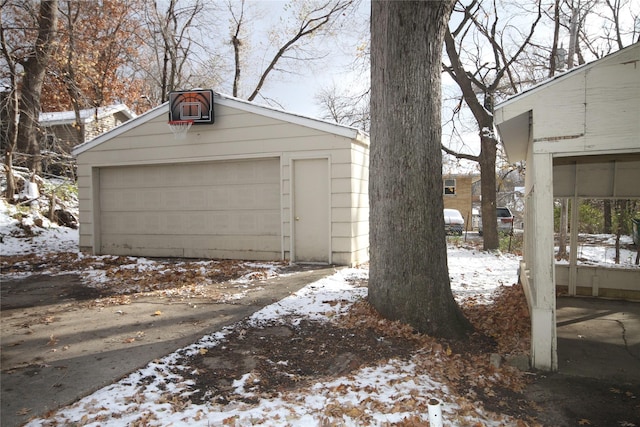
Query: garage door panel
[
  {"x": 206, "y": 208},
  {"x": 192, "y": 223},
  {"x": 177, "y": 175},
  {"x": 236, "y": 197},
  {"x": 265, "y": 248}
]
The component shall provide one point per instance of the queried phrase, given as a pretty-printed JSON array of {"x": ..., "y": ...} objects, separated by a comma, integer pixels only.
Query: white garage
[{"x": 258, "y": 184}]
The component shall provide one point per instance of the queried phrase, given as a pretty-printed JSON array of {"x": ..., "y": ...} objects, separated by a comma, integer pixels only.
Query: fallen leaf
[
  {"x": 203, "y": 351},
  {"x": 157, "y": 313},
  {"x": 23, "y": 411},
  {"x": 584, "y": 422},
  {"x": 129, "y": 340}
]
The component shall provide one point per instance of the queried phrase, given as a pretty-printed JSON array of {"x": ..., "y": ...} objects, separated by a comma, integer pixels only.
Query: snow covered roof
[
  {"x": 232, "y": 102},
  {"x": 87, "y": 115}
]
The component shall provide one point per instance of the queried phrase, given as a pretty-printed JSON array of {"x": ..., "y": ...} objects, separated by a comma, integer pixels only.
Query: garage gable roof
[{"x": 232, "y": 102}]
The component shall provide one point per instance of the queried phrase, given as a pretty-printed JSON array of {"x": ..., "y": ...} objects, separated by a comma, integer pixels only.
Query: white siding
[
  {"x": 593, "y": 109},
  {"x": 240, "y": 132}
]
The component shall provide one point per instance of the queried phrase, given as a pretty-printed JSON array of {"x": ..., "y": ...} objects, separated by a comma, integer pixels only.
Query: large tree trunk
[
  {"x": 408, "y": 276},
  {"x": 34, "y": 72}
]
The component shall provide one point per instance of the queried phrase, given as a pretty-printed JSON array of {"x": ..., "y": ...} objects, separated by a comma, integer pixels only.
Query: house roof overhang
[{"x": 86, "y": 116}]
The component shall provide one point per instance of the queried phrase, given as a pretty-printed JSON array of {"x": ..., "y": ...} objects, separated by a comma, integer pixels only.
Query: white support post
[{"x": 543, "y": 331}]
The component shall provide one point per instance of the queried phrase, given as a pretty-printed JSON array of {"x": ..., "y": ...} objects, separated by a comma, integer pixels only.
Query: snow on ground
[
  {"x": 371, "y": 391},
  {"x": 48, "y": 237},
  {"x": 124, "y": 403},
  {"x": 604, "y": 252}
]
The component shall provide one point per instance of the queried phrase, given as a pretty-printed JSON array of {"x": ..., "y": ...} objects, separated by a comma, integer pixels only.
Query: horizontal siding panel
[
  {"x": 349, "y": 200},
  {"x": 346, "y": 244},
  {"x": 349, "y": 215},
  {"x": 568, "y": 98},
  {"x": 205, "y": 152},
  {"x": 614, "y": 89},
  {"x": 350, "y": 170},
  {"x": 341, "y": 185},
  {"x": 152, "y": 135},
  {"x": 350, "y": 229}
]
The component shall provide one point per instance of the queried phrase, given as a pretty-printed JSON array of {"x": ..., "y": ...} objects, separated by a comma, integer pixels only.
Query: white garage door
[{"x": 202, "y": 210}]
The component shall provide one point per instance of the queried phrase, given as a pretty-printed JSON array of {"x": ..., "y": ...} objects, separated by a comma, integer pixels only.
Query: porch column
[{"x": 543, "y": 315}]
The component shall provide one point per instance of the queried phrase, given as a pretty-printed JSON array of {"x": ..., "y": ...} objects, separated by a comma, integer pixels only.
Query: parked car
[
  {"x": 453, "y": 222},
  {"x": 505, "y": 221}
]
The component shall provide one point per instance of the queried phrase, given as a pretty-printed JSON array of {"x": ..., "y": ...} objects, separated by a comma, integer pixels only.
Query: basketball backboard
[{"x": 195, "y": 105}]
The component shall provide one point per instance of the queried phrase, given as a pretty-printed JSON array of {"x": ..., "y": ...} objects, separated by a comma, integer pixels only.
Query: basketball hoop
[{"x": 180, "y": 128}]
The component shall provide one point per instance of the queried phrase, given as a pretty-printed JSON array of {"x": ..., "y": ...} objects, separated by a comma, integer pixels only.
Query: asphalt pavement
[{"x": 55, "y": 351}]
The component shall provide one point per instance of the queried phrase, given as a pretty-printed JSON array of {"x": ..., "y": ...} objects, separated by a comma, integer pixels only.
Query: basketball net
[{"x": 180, "y": 128}]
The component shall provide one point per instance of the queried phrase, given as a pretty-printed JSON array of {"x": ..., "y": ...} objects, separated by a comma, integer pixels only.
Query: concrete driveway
[{"x": 57, "y": 348}]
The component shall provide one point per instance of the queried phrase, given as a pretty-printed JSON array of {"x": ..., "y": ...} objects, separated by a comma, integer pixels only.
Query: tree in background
[
  {"x": 349, "y": 109},
  {"x": 172, "y": 40},
  {"x": 27, "y": 47},
  {"x": 289, "y": 43},
  {"x": 408, "y": 275},
  {"x": 90, "y": 68},
  {"x": 9, "y": 113},
  {"x": 482, "y": 52}
]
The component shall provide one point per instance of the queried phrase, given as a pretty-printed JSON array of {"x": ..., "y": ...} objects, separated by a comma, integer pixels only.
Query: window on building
[{"x": 449, "y": 187}]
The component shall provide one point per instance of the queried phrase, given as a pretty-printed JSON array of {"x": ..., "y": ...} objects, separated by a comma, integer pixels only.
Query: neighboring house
[
  {"x": 457, "y": 194},
  {"x": 579, "y": 133},
  {"x": 259, "y": 184},
  {"x": 62, "y": 133}
]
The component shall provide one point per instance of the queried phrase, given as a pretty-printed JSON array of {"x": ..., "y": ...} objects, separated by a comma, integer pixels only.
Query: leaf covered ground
[{"x": 339, "y": 365}]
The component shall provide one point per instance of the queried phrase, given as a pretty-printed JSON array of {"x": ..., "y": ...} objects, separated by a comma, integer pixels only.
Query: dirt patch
[{"x": 281, "y": 357}]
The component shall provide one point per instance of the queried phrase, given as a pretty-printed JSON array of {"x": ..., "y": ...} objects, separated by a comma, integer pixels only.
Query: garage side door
[{"x": 203, "y": 210}]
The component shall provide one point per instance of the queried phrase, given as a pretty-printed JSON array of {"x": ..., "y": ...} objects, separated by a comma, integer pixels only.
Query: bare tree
[
  {"x": 345, "y": 108},
  {"x": 171, "y": 40},
  {"x": 9, "y": 112},
  {"x": 408, "y": 279},
  {"x": 311, "y": 20},
  {"x": 482, "y": 77},
  {"x": 34, "y": 65}
]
